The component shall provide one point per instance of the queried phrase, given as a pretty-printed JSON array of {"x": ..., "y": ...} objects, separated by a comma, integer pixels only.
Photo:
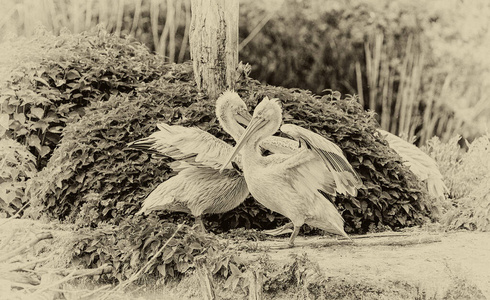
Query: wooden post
[{"x": 214, "y": 44}]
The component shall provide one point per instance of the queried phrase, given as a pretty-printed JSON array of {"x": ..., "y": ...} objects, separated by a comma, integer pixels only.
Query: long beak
[
  {"x": 253, "y": 127},
  {"x": 243, "y": 117}
]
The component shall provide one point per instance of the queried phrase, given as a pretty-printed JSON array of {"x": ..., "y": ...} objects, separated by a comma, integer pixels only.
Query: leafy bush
[
  {"x": 17, "y": 165},
  {"x": 57, "y": 77},
  {"x": 131, "y": 245},
  {"x": 93, "y": 179},
  {"x": 92, "y": 157},
  {"x": 467, "y": 176},
  {"x": 92, "y": 171}
]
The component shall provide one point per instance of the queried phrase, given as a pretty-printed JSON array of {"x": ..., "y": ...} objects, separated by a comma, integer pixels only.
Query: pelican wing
[
  {"x": 276, "y": 144},
  {"x": 195, "y": 146},
  {"x": 421, "y": 164},
  {"x": 346, "y": 179},
  {"x": 305, "y": 173},
  {"x": 198, "y": 190}
]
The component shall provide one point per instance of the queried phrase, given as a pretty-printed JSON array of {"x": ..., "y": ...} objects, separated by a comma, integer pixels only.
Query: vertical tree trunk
[{"x": 214, "y": 44}]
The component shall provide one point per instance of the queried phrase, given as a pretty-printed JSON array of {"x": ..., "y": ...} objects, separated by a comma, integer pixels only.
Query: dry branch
[
  {"x": 20, "y": 277},
  {"x": 39, "y": 237},
  {"x": 104, "y": 269},
  {"x": 8, "y": 239},
  {"x": 385, "y": 239},
  {"x": 52, "y": 280},
  {"x": 256, "y": 282},
  {"x": 27, "y": 265},
  {"x": 205, "y": 280}
]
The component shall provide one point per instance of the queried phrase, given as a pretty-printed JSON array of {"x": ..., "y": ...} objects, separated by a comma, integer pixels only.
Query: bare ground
[
  {"x": 434, "y": 264},
  {"x": 437, "y": 265}
]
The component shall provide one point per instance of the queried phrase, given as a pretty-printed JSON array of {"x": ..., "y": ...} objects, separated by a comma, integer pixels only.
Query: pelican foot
[{"x": 281, "y": 230}]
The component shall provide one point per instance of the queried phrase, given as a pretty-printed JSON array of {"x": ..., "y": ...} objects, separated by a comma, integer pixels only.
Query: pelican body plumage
[{"x": 295, "y": 184}]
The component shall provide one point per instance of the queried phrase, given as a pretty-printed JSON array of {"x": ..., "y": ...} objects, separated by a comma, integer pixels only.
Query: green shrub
[
  {"x": 17, "y": 165},
  {"x": 131, "y": 245},
  {"x": 92, "y": 157},
  {"x": 467, "y": 175},
  {"x": 55, "y": 78},
  {"x": 93, "y": 179}
]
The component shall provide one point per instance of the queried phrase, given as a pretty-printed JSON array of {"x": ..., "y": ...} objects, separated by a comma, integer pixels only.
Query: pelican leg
[
  {"x": 293, "y": 236},
  {"x": 200, "y": 224}
]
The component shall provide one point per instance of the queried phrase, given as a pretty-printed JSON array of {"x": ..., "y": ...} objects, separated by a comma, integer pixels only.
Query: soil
[
  {"x": 433, "y": 266},
  {"x": 430, "y": 265}
]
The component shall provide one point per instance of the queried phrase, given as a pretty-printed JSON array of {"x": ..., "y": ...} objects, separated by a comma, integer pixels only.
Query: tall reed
[
  {"x": 409, "y": 100},
  {"x": 162, "y": 24}
]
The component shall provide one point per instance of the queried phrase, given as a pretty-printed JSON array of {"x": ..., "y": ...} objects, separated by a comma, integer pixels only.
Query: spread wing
[
  {"x": 195, "y": 146},
  {"x": 421, "y": 164},
  {"x": 346, "y": 180}
]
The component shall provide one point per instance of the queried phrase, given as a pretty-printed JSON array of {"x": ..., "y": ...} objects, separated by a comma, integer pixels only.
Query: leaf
[
  {"x": 161, "y": 269},
  {"x": 39, "y": 79},
  {"x": 35, "y": 142},
  {"x": 45, "y": 150},
  {"x": 134, "y": 259},
  {"x": 234, "y": 269},
  {"x": 195, "y": 245},
  {"x": 20, "y": 117},
  {"x": 4, "y": 124},
  {"x": 72, "y": 74},
  {"x": 38, "y": 112}
]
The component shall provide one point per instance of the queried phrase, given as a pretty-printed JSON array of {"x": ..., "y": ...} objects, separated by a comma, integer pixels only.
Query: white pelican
[
  {"x": 421, "y": 164},
  {"x": 295, "y": 185},
  {"x": 199, "y": 188}
]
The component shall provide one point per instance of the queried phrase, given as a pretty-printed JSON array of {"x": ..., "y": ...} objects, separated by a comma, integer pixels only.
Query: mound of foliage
[
  {"x": 92, "y": 179},
  {"x": 17, "y": 165},
  {"x": 55, "y": 77},
  {"x": 160, "y": 247},
  {"x": 92, "y": 176},
  {"x": 467, "y": 175}
]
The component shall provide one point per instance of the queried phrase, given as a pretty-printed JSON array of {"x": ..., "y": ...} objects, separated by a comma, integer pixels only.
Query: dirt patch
[
  {"x": 432, "y": 266},
  {"x": 418, "y": 265}
]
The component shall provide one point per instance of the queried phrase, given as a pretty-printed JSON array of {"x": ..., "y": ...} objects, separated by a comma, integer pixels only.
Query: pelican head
[
  {"x": 230, "y": 109},
  {"x": 266, "y": 120}
]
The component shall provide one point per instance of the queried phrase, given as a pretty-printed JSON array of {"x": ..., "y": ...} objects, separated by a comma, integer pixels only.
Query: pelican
[
  {"x": 199, "y": 188},
  {"x": 295, "y": 185},
  {"x": 421, "y": 164}
]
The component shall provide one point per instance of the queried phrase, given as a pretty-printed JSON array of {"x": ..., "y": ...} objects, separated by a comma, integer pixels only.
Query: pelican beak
[
  {"x": 255, "y": 124},
  {"x": 243, "y": 117}
]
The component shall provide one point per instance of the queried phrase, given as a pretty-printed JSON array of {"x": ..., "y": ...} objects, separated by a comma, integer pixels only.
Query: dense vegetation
[
  {"x": 71, "y": 103},
  {"x": 404, "y": 58},
  {"x": 92, "y": 107},
  {"x": 92, "y": 172}
]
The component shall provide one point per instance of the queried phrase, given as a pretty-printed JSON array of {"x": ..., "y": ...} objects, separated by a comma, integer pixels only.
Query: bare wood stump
[{"x": 214, "y": 44}]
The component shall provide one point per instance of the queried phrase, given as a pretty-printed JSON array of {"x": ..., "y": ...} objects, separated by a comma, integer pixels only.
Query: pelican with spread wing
[
  {"x": 421, "y": 164},
  {"x": 199, "y": 188},
  {"x": 295, "y": 184}
]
